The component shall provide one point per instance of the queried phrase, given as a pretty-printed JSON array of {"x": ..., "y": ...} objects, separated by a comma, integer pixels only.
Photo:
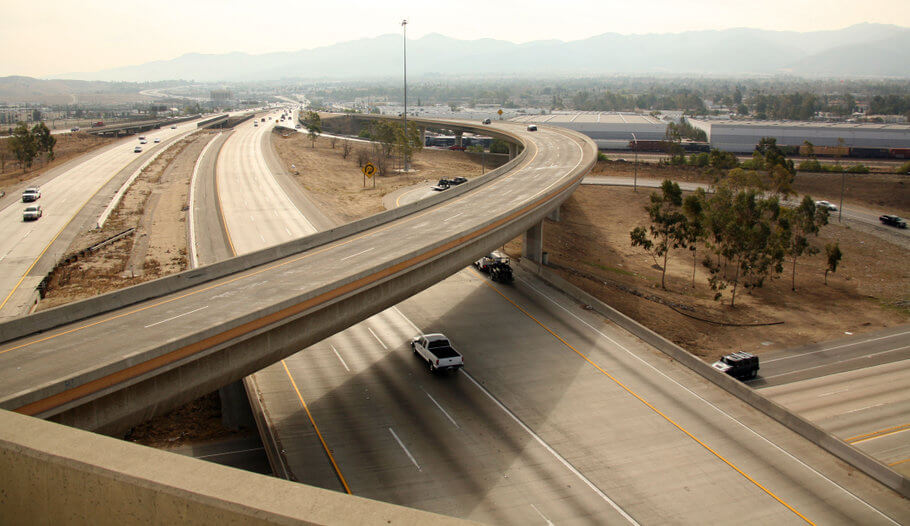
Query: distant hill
[
  {"x": 55, "y": 91},
  {"x": 859, "y": 50}
]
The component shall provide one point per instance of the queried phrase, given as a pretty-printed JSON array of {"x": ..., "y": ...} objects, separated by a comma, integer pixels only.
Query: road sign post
[{"x": 369, "y": 169}]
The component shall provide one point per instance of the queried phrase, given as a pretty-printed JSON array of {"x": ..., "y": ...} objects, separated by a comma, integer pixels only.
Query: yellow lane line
[
  {"x": 645, "y": 402},
  {"x": 899, "y": 462},
  {"x": 325, "y": 446},
  {"x": 878, "y": 434}
]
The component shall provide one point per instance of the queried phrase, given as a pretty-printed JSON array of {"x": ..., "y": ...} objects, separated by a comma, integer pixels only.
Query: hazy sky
[{"x": 42, "y": 38}]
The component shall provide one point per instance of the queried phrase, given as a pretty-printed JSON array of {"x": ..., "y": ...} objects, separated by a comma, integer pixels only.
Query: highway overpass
[{"x": 196, "y": 331}]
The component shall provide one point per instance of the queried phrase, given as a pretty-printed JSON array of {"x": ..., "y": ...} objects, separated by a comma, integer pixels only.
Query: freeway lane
[
  {"x": 391, "y": 416},
  {"x": 228, "y": 307},
  {"x": 63, "y": 196},
  {"x": 868, "y": 407},
  {"x": 556, "y": 442}
]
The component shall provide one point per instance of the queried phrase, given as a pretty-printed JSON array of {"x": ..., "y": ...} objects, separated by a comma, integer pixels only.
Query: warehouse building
[
  {"x": 611, "y": 131},
  {"x": 742, "y": 136}
]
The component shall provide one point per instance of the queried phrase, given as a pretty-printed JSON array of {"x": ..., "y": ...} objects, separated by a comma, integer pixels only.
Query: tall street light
[
  {"x": 404, "y": 29},
  {"x": 635, "y": 147}
]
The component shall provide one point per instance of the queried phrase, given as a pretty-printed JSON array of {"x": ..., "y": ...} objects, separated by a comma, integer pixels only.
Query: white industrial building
[
  {"x": 611, "y": 131},
  {"x": 742, "y": 136}
]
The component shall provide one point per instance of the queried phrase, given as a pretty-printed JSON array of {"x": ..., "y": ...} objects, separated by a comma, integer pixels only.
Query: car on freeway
[
  {"x": 458, "y": 148},
  {"x": 441, "y": 186},
  {"x": 141, "y": 138},
  {"x": 32, "y": 213},
  {"x": 826, "y": 205},
  {"x": 255, "y": 124},
  {"x": 532, "y": 127},
  {"x": 174, "y": 127},
  {"x": 457, "y": 180},
  {"x": 74, "y": 129},
  {"x": 893, "y": 220},
  {"x": 486, "y": 121},
  {"x": 157, "y": 139},
  {"x": 438, "y": 352},
  {"x": 297, "y": 126},
  {"x": 740, "y": 365},
  {"x": 143, "y": 141},
  {"x": 32, "y": 193},
  {"x": 137, "y": 149}
]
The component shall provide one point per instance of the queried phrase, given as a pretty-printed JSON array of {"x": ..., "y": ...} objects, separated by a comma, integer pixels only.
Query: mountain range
[{"x": 876, "y": 50}]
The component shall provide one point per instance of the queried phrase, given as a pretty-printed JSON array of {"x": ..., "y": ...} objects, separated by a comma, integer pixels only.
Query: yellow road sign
[
  {"x": 368, "y": 169},
  {"x": 499, "y": 112}
]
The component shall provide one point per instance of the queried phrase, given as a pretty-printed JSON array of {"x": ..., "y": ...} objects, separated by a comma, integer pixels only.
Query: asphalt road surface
[
  {"x": 856, "y": 388},
  {"x": 65, "y": 191}
]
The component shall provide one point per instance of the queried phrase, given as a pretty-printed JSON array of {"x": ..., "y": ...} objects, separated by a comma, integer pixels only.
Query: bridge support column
[
  {"x": 235, "y": 409},
  {"x": 532, "y": 248},
  {"x": 554, "y": 215},
  {"x": 513, "y": 150},
  {"x": 459, "y": 136}
]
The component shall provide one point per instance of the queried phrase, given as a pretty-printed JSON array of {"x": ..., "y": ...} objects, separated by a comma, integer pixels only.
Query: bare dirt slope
[
  {"x": 591, "y": 247},
  {"x": 336, "y": 183}
]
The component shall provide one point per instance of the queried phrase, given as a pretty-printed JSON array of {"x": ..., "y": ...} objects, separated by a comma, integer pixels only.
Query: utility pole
[
  {"x": 404, "y": 29},
  {"x": 635, "y": 147}
]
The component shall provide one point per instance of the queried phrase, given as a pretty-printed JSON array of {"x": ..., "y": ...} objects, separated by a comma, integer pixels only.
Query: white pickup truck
[{"x": 437, "y": 351}]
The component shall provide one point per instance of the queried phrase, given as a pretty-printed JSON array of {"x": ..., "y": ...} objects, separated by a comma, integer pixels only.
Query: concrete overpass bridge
[{"x": 107, "y": 363}]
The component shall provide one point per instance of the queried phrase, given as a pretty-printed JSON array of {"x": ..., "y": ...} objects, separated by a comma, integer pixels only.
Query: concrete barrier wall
[
  {"x": 46, "y": 320},
  {"x": 792, "y": 421},
  {"x": 115, "y": 408},
  {"x": 213, "y": 120},
  {"x": 53, "y": 474}
]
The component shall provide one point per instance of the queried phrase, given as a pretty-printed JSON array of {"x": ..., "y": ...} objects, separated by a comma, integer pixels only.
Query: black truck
[{"x": 740, "y": 365}]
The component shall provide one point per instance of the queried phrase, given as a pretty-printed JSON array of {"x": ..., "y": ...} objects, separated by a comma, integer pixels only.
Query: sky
[{"x": 40, "y": 39}]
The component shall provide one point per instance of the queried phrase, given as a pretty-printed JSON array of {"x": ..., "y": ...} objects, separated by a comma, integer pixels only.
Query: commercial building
[
  {"x": 742, "y": 136},
  {"x": 611, "y": 131}
]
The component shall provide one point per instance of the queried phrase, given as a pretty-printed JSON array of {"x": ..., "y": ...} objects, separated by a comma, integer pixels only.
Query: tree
[
  {"x": 780, "y": 170},
  {"x": 345, "y": 149},
  {"x": 45, "y": 140},
  {"x": 23, "y": 145},
  {"x": 668, "y": 226},
  {"x": 694, "y": 208},
  {"x": 832, "y": 251},
  {"x": 313, "y": 124},
  {"x": 744, "y": 232},
  {"x": 799, "y": 222}
]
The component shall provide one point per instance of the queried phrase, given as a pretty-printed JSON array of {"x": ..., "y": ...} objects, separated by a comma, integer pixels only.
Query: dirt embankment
[
  {"x": 68, "y": 146},
  {"x": 337, "y": 185},
  {"x": 591, "y": 247},
  {"x": 155, "y": 205}
]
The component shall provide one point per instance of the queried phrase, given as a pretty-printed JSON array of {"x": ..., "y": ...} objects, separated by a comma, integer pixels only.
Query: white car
[
  {"x": 157, "y": 139},
  {"x": 826, "y": 205},
  {"x": 532, "y": 127},
  {"x": 174, "y": 127},
  {"x": 30, "y": 194},
  {"x": 31, "y": 213},
  {"x": 137, "y": 149}
]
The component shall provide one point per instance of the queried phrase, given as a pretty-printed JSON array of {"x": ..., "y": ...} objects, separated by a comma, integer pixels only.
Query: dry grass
[{"x": 590, "y": 246}]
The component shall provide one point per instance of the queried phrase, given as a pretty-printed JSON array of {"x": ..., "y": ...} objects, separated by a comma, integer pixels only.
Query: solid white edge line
[
  {"x": 552, "y": 451},
  {"x": 538, "y": 439},
  {"x": 658, "y": 371},
  {"x": 548, "y": 521},
  {"x": 408, "y": 453},
  {"x": 837, "y": 347},
  {"x": 194, "y": 256},
  {"x": 340, "y": 358},
  {"x": 853, "y": 359}
]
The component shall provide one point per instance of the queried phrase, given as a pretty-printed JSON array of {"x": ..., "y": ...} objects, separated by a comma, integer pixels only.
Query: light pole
[
  {"x": 404, "y": 29},
  {"x": 635, "y": 148}
]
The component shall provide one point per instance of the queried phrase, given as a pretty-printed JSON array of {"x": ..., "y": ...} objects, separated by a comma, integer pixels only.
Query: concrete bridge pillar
[
  {"x": 513, "y": 150},
  {"x": 235, "y": 408},
  {"x": 458, "y": 138},
  {"x": 554, "y": 215},
  {"x": 532, "y": 248}
]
